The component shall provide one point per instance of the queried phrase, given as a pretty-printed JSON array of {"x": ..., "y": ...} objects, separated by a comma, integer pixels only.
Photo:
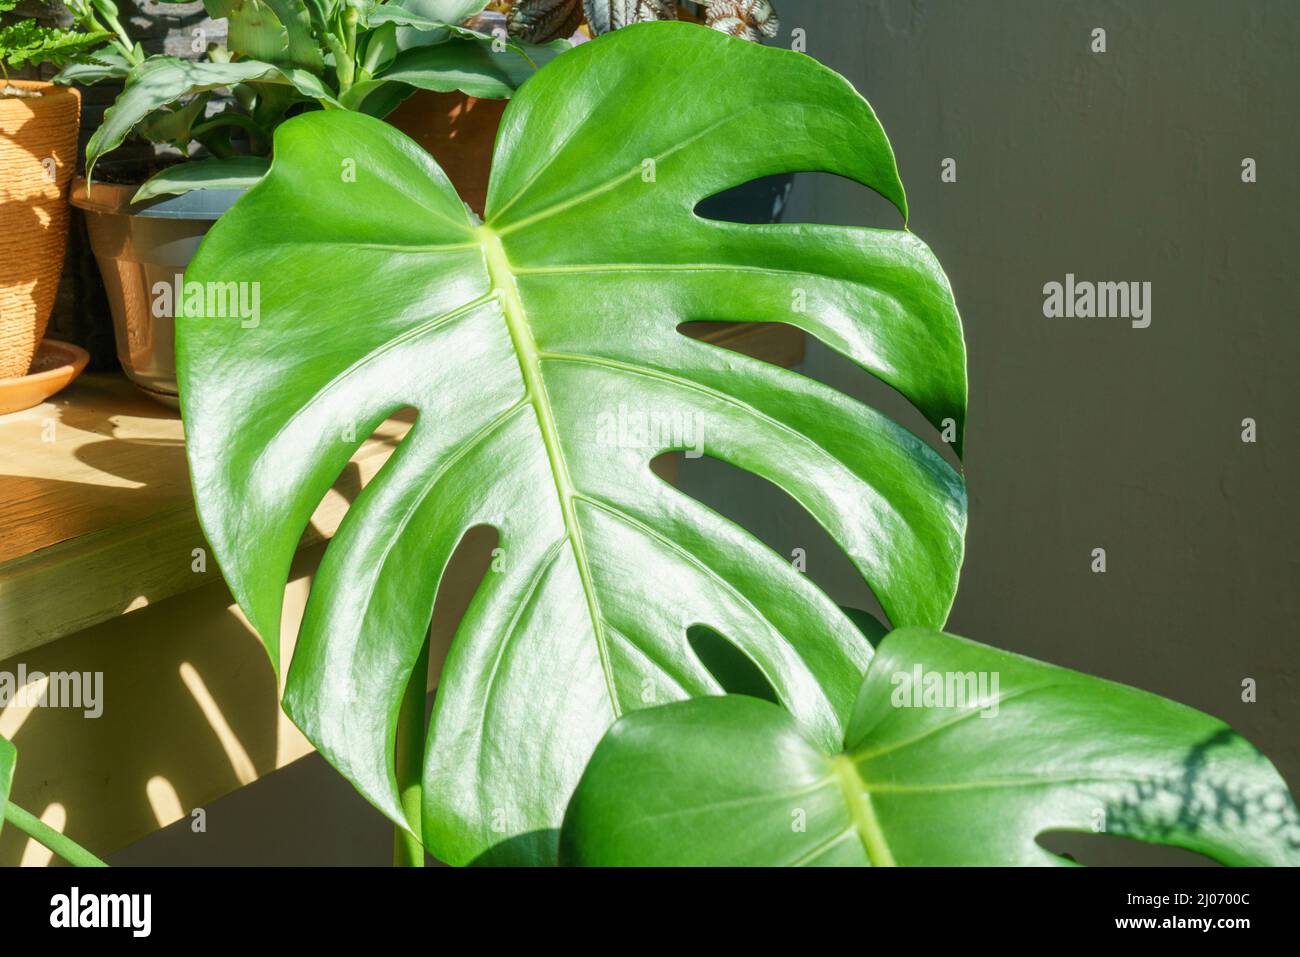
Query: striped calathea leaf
[
  {"x": 604, "y": 16},
  {"x": 522, "y": 342},
  {"x": 956, "y": 754},
  {"x": 747, "y": 19},
  {"x": 540, "y": 21}
]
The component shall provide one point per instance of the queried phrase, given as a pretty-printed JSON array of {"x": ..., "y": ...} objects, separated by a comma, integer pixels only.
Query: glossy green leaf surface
[
  {"x": 531, "y": 348},
  {"x": 929, "y": 777},
  {"x": 8, "y": 757}
]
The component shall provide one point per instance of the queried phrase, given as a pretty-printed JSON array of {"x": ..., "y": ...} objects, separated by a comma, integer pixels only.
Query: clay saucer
[{"x": 56, "y": 364}]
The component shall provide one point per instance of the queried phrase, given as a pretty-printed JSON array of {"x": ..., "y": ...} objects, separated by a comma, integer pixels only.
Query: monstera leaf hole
[
  {"x": 766, "y": 199},
  {"x": 734, "y": 670},
  {"x": 469, "y": 565},
  {"x": 757, "y": 202},
  {"x": 781, "y": 523},
  {"x": 388, "y": 433},
  {"x": 827, "y": 365},
  {"x": 1100, "y": 850},
  {"x": 699, "y": 328}
]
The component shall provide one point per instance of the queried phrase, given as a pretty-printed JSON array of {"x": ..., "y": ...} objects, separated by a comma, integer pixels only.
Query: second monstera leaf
[
  {"x": 957, "y": 754},
  {"x": 523, "y": 343}
]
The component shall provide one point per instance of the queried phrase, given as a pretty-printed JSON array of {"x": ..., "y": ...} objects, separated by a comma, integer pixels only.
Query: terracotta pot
[
  {"x": 138, "y": 246},
  {"x": 38, "y": 150},
  {"x": 56, "y": 364},
  {"x": 459, "y": 131}
]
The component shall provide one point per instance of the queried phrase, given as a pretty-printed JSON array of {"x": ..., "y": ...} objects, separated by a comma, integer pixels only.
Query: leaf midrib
[
  {"x": 502, "y": 277},
  {"x": 861, "y": 811}
]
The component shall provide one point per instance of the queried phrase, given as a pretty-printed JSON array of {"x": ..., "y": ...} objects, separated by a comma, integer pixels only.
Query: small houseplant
[
  {"x": 512, "y": 337},
  {"x": 283, "y": 57}
]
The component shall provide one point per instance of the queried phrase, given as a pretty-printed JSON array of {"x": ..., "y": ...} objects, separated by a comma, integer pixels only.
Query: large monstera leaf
[
  {"x": 942, "y": 766},
  {"x": 525, "y": 344}
]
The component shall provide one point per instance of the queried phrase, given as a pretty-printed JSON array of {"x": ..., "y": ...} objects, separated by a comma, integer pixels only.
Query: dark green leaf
[
  {"x": 970, "y": 776},
  {"x": 521, "y": 343}
]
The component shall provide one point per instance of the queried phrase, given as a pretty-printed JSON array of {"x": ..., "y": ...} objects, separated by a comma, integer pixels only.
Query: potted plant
[
  {"x": 283, "y": 58},
  {"x": 38, "y": 152}
]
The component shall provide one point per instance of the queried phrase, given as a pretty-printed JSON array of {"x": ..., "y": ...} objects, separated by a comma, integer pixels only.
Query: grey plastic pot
[{"x": 138, "y": 247}]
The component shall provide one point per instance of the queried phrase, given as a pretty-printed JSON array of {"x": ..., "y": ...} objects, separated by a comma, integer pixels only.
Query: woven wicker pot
[{"x": 38, "y": 149}]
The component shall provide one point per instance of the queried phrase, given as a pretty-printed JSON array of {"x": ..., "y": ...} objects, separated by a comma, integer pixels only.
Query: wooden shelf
[{"x": 96, "y": 513}]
